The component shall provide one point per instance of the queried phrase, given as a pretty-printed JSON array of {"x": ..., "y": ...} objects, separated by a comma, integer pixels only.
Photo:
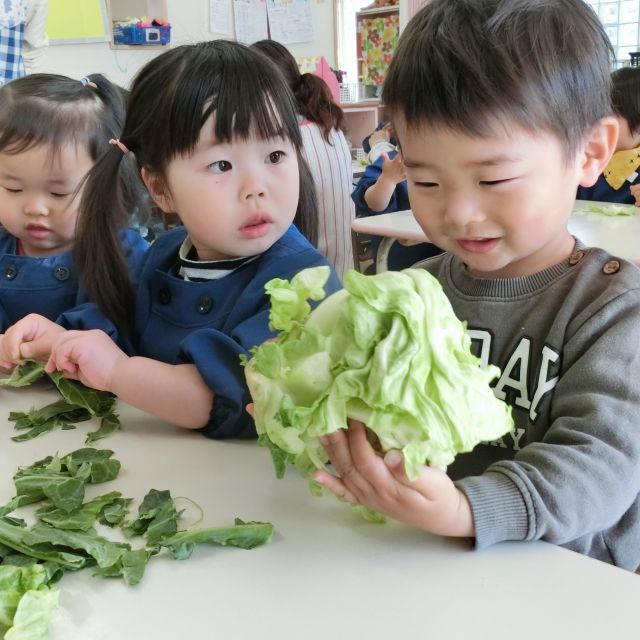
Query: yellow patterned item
[{"x": 622, "y": 166}]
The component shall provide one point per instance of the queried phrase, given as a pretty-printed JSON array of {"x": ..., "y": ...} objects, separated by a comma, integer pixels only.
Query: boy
[
  {"x": 501, "y": 110},
  {"x": 620, "y": 181}
]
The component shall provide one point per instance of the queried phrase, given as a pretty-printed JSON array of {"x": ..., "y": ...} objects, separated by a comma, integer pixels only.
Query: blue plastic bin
[{"x": 133, "y": 34}]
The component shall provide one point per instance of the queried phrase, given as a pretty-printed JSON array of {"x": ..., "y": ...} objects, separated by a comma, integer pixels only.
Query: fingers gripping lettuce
[{"x": 387, "y": 350}]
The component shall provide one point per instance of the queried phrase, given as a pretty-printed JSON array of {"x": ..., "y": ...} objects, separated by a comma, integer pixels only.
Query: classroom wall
[{"x": 190, "y": 23}]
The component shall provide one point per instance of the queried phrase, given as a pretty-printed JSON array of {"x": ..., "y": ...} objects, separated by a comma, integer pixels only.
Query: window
[
  {"x": 346, "y": 37},
  {"x": 620, "y": 19}
]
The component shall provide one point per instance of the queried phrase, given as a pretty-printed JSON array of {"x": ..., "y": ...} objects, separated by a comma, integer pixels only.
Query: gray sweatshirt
[{"x": 567, "y": 340}]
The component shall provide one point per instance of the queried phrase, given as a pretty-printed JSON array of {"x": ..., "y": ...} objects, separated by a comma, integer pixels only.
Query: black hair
[
  {"x": 312, "y": 93},
  {"x": 54, "y": 110},
  {"x": 171, "y": 98},
  {"x": 625, "y": 95},
  {"x": 470, "y": 65}
]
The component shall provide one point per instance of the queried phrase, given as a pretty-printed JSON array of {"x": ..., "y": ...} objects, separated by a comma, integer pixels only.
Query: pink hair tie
[{"x": 120, "y": 145}]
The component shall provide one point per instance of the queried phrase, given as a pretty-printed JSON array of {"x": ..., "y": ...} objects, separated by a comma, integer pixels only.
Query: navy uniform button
[
  {"x": 205, "y": 304},
  {"x": 613, "y": 266},
  {"x": 11, "y": 272},
  {"x": 61, "y": 273},
  {"x": 164, "y": 295}
]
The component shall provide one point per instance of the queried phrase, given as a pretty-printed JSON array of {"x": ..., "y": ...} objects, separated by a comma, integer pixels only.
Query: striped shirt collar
[{"x": 194, "y": 270}]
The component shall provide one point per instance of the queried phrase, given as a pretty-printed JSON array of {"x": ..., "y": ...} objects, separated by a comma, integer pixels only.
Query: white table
[
  {"x": 326, "y": 574},
  {"x": 619, "y": 235}
]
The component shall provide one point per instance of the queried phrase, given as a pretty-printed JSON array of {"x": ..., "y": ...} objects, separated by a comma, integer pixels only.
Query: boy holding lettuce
[{"x": 501, "y": 109}]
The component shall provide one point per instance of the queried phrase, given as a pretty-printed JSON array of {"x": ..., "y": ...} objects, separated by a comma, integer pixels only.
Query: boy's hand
[
  {"x": 432, "y": 502},
  {"x": 31, "y": 338},
  {"x": 88, "y": 356},
  {"x": 393, "y": 169},
  {"x": 635, "y": 192}
]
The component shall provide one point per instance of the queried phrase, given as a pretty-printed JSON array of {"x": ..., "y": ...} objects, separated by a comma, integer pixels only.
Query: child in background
[
  {"x": 501, "y": 108},
  {"x": 620, "y": 181},
  {"x": 383, "y": 186},
  {"x": 381, "y": 139},
  {"x": 215, "y": 134},
  {"x": 383, "y": 189},
  {"x": 326, "y": 151},
  {"x": 52, "y": 131}
]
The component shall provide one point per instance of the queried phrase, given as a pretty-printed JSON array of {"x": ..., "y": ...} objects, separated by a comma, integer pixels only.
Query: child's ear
[
  {"x": 157, "y": 188},
  {"x": 597, "y": 148}
]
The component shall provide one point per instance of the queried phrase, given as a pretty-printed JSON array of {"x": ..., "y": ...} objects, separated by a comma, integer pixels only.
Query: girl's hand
[
  {"x": 31, "y": 338},
  {"x": 5, "y": 365},
  {"x": 393, "y": 169},
  {"x": 432, "y": 502},
  {"x": 635, "y": 192},
  {"x": 88, "y": 356}
]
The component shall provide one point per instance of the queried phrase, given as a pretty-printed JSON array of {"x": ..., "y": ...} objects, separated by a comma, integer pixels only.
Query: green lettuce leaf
[
  {"x": 245, "y": 535},
  {"x": 387, "y": 350},
  {"x": 24, "y": 374},
  {"x": 608, "y": 209},
  {"x": 78, "y": 403},
  {"x": 31, "y": 621}
]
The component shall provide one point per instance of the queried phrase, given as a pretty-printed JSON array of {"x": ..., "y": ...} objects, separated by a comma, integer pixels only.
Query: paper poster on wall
[
  {"x": 290, "y": 20},
  {"x": 250, "y": 17},
  {"x": 72, "y": 21},
  {"x": 220, "y": 17}
]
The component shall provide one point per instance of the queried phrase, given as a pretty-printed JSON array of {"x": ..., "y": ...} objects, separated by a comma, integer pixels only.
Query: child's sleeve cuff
[{"x": 500, "y": 510}]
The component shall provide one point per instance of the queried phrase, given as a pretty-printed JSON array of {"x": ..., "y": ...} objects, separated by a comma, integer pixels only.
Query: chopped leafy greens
[
  {"x": 245, "y": 535},
  {"x": 64, "y": 537},
  {"x": 130, "y": 565},
  {"x": 24, "y": 375},
  {"x": 78, "y": 404},
  {"x": 157, "y": 517},
  {"x": 62, "y": 479},
  {"x": 83, "y": 517}
]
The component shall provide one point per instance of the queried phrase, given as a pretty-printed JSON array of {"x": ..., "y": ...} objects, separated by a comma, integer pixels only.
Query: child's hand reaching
[
  {"x": 379, "y": 194},
  {"x": 88, "y": 356},
  {"x": 432, "y": 502},
  {"x": 393, "y": 169},
  {"x": 31, "y": 338}
]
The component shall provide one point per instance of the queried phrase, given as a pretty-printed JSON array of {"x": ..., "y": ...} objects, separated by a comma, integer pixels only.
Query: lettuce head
[{"x": 387, "y": 350}]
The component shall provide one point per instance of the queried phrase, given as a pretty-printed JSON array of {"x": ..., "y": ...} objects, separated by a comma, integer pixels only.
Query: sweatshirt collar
[{"x": 509, "y": 287}]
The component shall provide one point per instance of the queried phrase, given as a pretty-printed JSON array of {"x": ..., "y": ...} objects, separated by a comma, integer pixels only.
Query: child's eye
[
  {"x": 221, "y": 166},
  {"x": 426, "y": 185},
  {"x": 275, "y": 157},
  {"x": 490, "y": 183},
  {"x": 13, "y": 190},
  {"x": 59, "y": 195}
]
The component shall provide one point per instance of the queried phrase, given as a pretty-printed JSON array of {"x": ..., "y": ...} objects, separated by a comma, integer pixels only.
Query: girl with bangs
[
  {"x": 212, "y": 130},
  {"x": 52, "y": 131}
]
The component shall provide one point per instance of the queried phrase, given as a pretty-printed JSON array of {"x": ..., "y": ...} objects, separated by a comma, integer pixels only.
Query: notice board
[{"x": 72, "y": 21}]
